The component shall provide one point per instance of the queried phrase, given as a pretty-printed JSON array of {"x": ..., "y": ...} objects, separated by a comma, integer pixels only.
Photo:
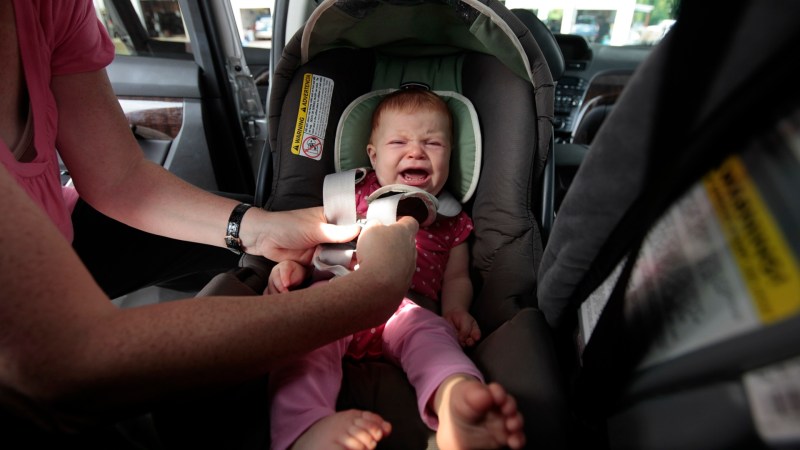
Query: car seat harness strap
[{"x": 385, "y": 205}]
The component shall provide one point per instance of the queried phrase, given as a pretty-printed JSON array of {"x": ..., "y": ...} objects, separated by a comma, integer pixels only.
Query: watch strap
[{"x": 232, "y": 240}]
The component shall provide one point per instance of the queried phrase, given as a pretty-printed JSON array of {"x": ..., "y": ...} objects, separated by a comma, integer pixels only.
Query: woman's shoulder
[{"x": 77, "y": 39}]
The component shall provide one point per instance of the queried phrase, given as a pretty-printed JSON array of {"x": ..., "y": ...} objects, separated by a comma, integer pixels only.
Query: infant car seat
[{"x": 479, "y": 50}]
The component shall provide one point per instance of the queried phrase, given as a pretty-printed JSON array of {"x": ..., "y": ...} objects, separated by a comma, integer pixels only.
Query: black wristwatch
[{"x": 232, "y": 240}]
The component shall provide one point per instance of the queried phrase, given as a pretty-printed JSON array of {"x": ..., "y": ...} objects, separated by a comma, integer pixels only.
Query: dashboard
[
  {"x": 594, "y": 75},
  {"x": 593, "y": 79}
]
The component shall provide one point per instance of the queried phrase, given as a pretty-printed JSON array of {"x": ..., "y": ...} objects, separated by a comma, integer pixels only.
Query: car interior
[{"x": 635, "y": 262}]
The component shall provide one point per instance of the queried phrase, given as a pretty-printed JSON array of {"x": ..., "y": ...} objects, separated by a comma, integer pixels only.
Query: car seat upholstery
[
  {"x": 482, "y": 51},
  {"x": 645, "y": 376},
  {"x": 548, "y": 197}
]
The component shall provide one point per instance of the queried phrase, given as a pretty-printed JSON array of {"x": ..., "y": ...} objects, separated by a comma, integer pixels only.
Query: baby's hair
[{"x": 411, "y": 100}]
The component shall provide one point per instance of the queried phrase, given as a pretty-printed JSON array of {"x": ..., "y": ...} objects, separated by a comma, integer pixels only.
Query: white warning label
[
  {"x": 312, "y": 116},
  {"x": 774, "y": 395}
]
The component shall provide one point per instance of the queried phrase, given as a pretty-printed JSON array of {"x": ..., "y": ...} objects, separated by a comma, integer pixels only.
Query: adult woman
[{"x": 67, "y": 354}]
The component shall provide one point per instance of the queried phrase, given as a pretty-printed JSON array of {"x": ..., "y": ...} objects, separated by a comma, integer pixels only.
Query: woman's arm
[
  {"x": 110, "y": 172},
  {"x": 65, "y": 346}
]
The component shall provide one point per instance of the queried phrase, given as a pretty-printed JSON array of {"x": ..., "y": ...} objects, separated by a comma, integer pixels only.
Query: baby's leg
[
  {"x": 466, "y": 413},
  {"x": 347, "y": 430},
  {"x": 303, "y": 409},
  {"x": 473, "y": 415}
]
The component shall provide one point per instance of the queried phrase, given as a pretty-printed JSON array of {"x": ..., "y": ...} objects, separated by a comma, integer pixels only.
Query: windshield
[{"x": 609, "y": 22}]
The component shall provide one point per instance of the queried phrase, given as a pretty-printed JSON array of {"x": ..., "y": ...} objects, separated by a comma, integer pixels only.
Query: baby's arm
[
  {"x": 457, "y": 296},
  {"x": 284, "y": 276}
]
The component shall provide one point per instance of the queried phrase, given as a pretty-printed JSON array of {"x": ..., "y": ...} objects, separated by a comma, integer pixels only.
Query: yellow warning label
[
  {"x": 302, "y": 114},
  {"x": 768, "y": 265}
]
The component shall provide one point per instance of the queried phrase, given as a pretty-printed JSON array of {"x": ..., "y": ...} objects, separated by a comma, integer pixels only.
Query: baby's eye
[{"x": 434, "y": 143}]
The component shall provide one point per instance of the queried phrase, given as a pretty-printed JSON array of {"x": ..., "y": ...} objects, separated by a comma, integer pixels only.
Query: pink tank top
[{"x": 55, "y": 38}]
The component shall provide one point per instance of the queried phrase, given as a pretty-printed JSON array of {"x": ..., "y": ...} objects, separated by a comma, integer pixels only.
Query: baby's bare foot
[
  {"x": 347, "y": 430},
  {"x": 476, "y": 416}
]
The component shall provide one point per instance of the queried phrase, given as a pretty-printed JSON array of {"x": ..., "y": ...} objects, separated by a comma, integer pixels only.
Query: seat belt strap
[
  {"x": 388, "y": 202},
  {"x": 332, "y": 260}
]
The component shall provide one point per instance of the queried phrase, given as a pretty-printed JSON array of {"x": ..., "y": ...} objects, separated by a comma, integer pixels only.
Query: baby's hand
[
  {"x": 466, "y": 326},
  {"x": 284, "y": 276}
]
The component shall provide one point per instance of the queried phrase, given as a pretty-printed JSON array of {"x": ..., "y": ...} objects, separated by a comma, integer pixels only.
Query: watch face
[
  {"x": 234, "y": 244},
  {"x": 232, "y": 240}
]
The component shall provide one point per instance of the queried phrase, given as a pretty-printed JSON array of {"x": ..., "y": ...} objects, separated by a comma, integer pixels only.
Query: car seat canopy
[{"x": 414, "y": 28}]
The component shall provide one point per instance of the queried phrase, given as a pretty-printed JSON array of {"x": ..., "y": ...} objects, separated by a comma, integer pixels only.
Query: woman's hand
[
  {"x": 389, "y": 250},
  {"x": 291, "y": 234}
]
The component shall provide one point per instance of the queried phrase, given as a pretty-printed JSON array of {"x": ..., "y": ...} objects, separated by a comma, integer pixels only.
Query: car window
[
  {"x": 145, "y": 28},
  {"x": 610, "y": 22},
  {"x": 157, "y": 28},
  {"x": 254, "y": 20}
]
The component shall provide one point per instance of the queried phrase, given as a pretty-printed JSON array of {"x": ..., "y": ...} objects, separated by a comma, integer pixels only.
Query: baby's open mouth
[{"x": 413, "y": 176}]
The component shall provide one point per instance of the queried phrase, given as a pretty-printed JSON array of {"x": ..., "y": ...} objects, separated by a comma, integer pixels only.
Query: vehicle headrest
[{"x": 352, "y": 137}]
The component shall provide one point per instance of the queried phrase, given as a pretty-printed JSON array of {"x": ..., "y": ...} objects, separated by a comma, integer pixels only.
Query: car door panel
[{"x": 162, "y": 99}]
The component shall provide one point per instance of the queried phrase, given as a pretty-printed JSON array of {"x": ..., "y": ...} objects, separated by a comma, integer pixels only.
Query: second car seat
[{"x": 673, "y": 262}]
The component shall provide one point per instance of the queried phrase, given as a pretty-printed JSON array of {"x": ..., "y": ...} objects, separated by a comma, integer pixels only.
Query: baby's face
[{"x": 411, "y": 148}]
